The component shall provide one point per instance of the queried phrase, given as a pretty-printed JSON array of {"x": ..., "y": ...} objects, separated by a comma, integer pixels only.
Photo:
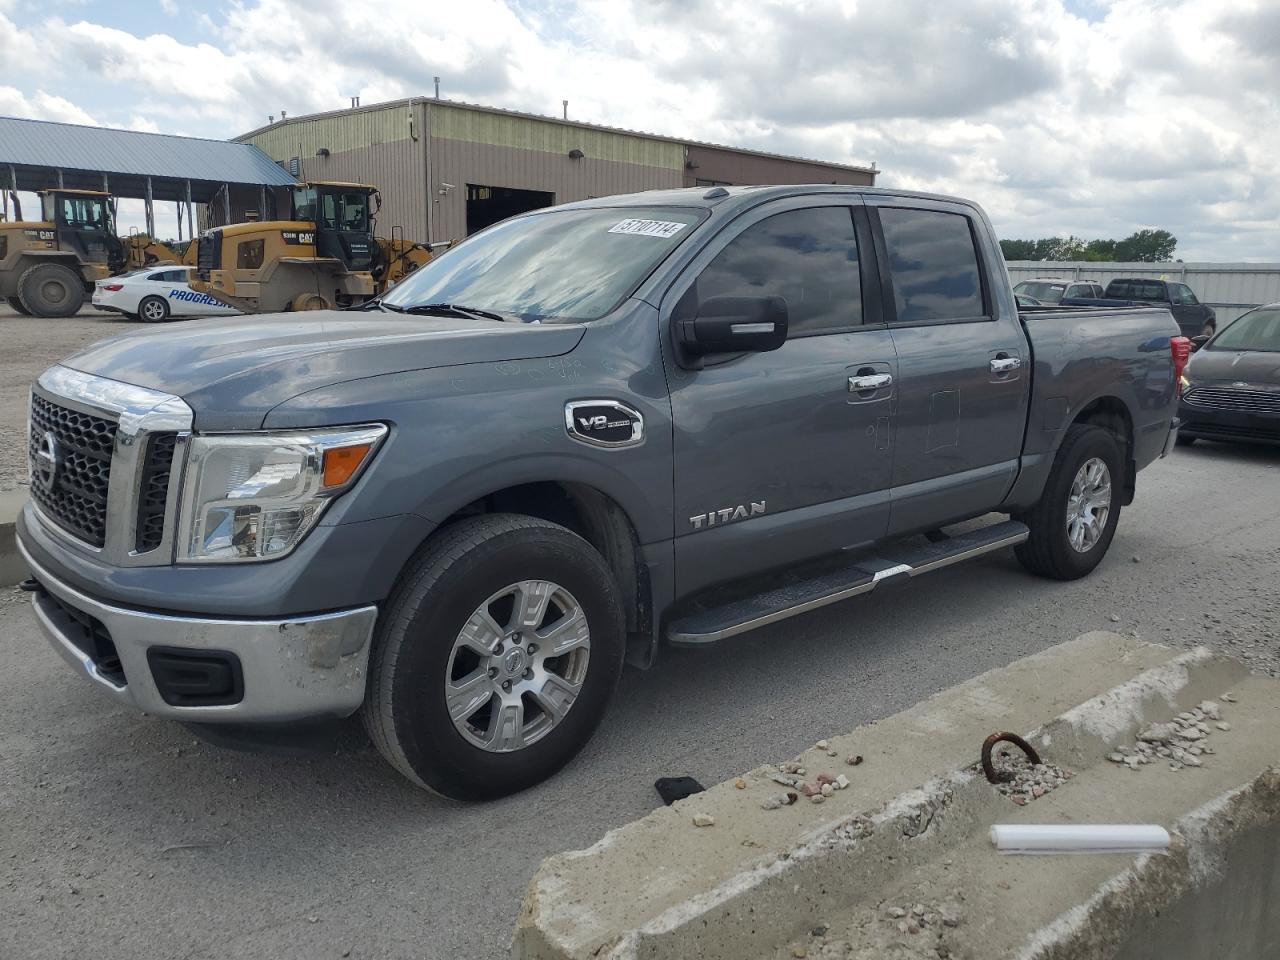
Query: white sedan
[{"x": 156, "y": 294}]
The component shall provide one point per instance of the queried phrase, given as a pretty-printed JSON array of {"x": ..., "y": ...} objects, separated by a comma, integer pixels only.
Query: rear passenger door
[
  {"x": 962, "y": 366},
  {"x": 783, "y": 456}
]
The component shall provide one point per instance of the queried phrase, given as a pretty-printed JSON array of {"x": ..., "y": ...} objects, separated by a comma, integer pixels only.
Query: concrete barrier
[
  {"x": 12, "y": 569},
  {"x": 899, "y": 864}
]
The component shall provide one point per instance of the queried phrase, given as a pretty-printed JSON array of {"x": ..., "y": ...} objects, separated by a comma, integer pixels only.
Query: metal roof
[{"x": 69, "y": 147}]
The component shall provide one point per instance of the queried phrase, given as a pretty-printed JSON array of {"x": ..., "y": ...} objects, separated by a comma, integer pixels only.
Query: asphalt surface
[{"x": 122, "y": 837}]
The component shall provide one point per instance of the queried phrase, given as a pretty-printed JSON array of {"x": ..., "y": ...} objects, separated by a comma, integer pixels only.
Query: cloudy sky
[{"x": 1091, "y": 117}]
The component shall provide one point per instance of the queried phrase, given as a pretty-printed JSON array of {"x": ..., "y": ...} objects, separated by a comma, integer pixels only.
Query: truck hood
[
  {"x": 233, "y": 371},
  {"x": 1255, "y": 367}
]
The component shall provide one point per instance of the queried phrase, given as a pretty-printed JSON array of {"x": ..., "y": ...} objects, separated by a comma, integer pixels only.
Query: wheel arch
[
  {"x": 1112, "y": 414},
  {"x": 600, "y": 520}
]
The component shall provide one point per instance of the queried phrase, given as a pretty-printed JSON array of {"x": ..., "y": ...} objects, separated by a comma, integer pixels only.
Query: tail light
[
  {"x": 113, "y": 287},
  {"x": 1180, "y": 348}
]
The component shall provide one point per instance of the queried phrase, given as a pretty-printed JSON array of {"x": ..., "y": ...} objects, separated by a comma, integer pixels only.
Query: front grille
[
  {"x": 77, "y": 499},
  {"x": 153, "y": 491},
  {"x": 1235, "y": 398}
]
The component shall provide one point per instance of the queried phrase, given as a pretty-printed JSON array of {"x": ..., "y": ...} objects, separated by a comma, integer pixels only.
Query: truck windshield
[
  {"x": 1259, "y": 330},
  {"x": 1044, "y": 292},
  {"x": 563, "y": 265}
]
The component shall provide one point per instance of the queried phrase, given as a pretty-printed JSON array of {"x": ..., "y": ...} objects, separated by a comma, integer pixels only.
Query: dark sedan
[{"x": 1231, "y": 387}]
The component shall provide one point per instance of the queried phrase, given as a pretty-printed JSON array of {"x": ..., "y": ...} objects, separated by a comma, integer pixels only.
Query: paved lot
[{"x": 124, "y": 838}]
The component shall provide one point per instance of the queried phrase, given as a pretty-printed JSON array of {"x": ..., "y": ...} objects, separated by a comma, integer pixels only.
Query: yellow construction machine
[
  {"x": 142, "y": 251},
  {"x": 326, "y": 255},
  {"x": 47, "y": 266}
]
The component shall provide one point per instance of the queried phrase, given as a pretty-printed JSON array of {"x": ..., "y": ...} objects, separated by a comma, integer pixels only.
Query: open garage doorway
[{"x": 488, "y": 205}]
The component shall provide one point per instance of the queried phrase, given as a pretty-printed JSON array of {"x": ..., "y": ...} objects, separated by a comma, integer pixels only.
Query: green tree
[
  {"x": 1147, "y": 246},
  {"x": 1144, "y": 246}
]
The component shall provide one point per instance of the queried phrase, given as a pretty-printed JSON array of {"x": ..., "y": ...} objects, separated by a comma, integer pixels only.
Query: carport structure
[{"x": 234, "y": 181}]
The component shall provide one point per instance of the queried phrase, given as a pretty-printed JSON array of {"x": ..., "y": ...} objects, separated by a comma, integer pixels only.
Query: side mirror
[
  {"x": 1198, "y": 342},
  {"x": 734, "y": 325}
]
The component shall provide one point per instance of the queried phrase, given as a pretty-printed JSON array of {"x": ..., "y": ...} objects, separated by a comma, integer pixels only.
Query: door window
[
  {"x": 807, "y": 257},
  {"x": 1185, "y": 296},
  {"x": 934, "y": 265}
]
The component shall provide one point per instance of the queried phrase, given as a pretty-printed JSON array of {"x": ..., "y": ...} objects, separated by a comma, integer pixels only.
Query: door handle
[
  {"x": 1005, "y": 364},
  {"x": 875, "y": 381}
]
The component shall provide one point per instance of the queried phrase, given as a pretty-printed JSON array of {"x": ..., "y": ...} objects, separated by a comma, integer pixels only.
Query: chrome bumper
[{"x": 292, "y": 668}]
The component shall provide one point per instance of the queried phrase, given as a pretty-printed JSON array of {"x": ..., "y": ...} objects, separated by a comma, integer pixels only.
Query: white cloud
[
  {"x": 1156, "y": 113},
  {"x": 170, "y": 7}
]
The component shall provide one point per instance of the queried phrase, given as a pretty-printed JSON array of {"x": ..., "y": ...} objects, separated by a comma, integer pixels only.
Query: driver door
[{"x": 778, "y": 458}]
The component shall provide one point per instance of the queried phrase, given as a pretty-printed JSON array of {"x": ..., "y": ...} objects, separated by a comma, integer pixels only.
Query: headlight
[
  {"x": 254, "y": 496},
  {"x": 1184, "y": 383}
]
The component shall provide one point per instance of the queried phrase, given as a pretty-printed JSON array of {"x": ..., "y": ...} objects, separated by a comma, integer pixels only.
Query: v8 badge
[{"x": 604, "y": 423}]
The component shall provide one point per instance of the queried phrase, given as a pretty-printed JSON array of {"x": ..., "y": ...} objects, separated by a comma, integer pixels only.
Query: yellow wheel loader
[
  {"x": 323, "y": 257},
  {"x": 47, "y": 266},
  {"x": 143, "y": 251}
]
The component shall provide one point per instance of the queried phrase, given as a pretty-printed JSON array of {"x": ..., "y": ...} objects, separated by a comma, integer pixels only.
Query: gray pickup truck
[{"x": 674, "y": 416}]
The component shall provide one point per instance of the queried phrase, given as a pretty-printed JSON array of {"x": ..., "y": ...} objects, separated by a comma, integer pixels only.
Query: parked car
[
  {"x": 1051, "y": 289},
  {"x": 1194, "y": 318},
  {"x": 155, "y": 294},
  {"x": 1231, "y": 388},
  {"x": 585, "y": 430}
]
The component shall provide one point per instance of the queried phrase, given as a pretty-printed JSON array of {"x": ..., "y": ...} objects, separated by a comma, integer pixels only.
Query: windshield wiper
[
  {"x": 376, "y": 304},
  {"x": 471, "y": 313}
]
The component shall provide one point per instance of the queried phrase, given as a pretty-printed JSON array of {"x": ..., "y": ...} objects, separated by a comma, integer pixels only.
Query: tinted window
[
  {"x": 1137, "y": 290},
  {"x": 807, "y": 257},
  {"x": 1185, "y": 296},
  {"x": 158, "y": 276},
  {"x": 933, "y": 263}
]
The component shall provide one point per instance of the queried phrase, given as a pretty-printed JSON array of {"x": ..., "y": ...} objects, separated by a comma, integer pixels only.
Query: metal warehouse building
[{"x": 447, "y": 169}]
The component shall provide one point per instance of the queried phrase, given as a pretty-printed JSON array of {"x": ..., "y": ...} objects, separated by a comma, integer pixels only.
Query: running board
[{"x": 729, "y": 620}]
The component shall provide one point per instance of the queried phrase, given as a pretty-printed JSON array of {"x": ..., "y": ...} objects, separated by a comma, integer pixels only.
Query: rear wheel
[
  {"x": 1073, "y": 523},
  {"x": 51, "y": 290},
  {"x": 1210, "y": 329},
  {"x": 495, "y": 657},
  {"x": 153, "y": 309},
  {"x": 310, "y": 301},
  {"x": 17, "y": 306}
]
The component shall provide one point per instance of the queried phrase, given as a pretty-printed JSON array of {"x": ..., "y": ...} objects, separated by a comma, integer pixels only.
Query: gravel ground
[
  {"x": 31, "y": 345},
  {"x": 124, "y": 838}
]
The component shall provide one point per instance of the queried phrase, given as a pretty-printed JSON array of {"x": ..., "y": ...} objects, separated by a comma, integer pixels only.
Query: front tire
[
  {"x": 495, "y": 657},
  {"x": 17, "y": 306},
  {"x": 51, "y": 290},
  {"x": 1075, "y": 519},
  {"x": 153, "y": 309}
]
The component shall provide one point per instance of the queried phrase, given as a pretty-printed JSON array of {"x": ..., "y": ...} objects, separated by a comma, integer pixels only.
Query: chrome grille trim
[
  {"x": 139, "y": 414},
  {"x": 1235, "y": 398}
]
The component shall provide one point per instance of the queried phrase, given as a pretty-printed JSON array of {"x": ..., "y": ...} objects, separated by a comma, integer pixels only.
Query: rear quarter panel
[{"x": 1083, "y": 355}]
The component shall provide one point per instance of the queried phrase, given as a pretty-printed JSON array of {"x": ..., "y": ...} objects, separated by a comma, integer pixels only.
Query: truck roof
[{"x": 734, "y": 197}]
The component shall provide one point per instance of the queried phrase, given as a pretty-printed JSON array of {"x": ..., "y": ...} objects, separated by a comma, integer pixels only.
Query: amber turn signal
[{"x": 341, "y": 463}]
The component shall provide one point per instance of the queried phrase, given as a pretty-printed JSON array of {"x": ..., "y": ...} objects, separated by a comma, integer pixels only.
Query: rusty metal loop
[{"x": 988, "y": 768}]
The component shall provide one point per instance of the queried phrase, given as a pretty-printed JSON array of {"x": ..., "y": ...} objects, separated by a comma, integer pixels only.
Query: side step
[{"x": 909, "y": 560}]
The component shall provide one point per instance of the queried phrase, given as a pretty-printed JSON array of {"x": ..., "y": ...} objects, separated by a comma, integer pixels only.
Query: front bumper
[
  {"x": 1236, "y": 426},
  {"x": 292, "y": 668}
]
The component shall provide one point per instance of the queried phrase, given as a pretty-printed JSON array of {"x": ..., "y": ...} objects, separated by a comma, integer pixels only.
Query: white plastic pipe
[{"x": 1034, "y": 838}]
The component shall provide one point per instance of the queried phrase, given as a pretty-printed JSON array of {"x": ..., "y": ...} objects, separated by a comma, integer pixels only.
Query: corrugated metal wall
[
  {"x": 339, "y": 132},
  {"x": 503, "y": 151},
  {"x": 1230, "y": 288},
  {"x": 733, "y": 167}
]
